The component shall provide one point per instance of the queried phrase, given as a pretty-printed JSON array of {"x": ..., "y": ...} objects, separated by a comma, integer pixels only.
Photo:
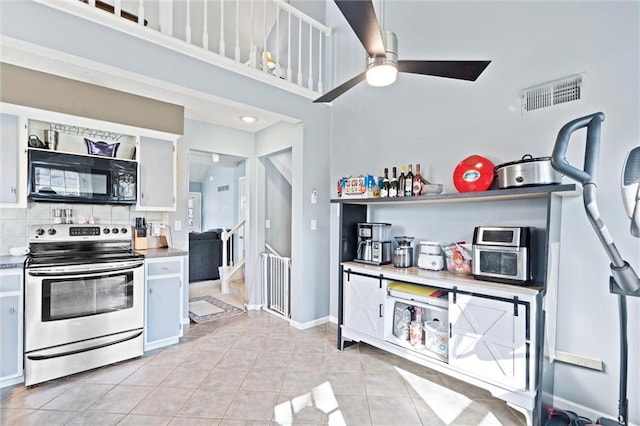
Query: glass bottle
[
  {"x": 401, "y": 182},
  {"x": 408, "y": 186},
  {"x": 384, "y": 191},
  {"x": 417, "y": 183},
  {"x": 393, "y": 184}
]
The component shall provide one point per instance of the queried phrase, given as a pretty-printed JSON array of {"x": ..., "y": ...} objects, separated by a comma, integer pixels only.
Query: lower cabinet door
[
  {"x": 488, "y": 339},
  {"x": 363, "y": 304},
  {"x": 10, "y": 349},
  {"x": 163, "y": 308}
]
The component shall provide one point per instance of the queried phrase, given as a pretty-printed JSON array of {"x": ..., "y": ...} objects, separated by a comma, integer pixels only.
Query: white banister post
[
  {"x": 117, "y": 8},
  {"x": 265, "y": 68},
  {"x": 92, "y": 3},
  {"x": 222, "y": 42},
  {"x": 236, "y": 55},
  {"x": 252, "y": 52},
  {"x": 321, "y": 35},
  {"x": 188, "y": 27},
  {"x": 141, "y": 12},
  {"x": 277, "y": 52},
  {"x": 299, "y": 52},
  {"x": 310, "y": 79},
  {"x": 165, "y": 16},
  {"x": 289, "y": 50},
  {"x": 205, "y": 34}
]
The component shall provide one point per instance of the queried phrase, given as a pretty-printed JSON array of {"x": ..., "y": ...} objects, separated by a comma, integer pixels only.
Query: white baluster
[
  {"x": 222, "y": 43},
  {"x": 188, "y": 27},
  {"x": 289, "y": 50},
  {"x": 277, "y": 52},
  {"x": 205, "y": 34},
  {"x": 165, "y": 16},
  {"x": 299, "y": 52},
  {"x": 252, "y": 57},
  {"x": 310, "y": 80},
  {"x": 92, "y": 3},
  {"x": 117, "y": 8},
  {"x": 320, "y": 36},
  {"x": 141, "y": 12},
  {"x": 265, "y": 68},
  {"x": 237, "y": 50}
]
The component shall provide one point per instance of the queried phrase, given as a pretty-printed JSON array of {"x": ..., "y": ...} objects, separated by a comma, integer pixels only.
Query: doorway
[{"x": 215, "y": 205}]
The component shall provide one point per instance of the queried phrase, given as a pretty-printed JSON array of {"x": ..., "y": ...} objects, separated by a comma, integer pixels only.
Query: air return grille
[{"x": 568, "y": 89}]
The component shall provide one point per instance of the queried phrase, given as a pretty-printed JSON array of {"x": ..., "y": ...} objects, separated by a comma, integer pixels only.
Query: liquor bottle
[
  {"x": 401, "y": 182},
  {"x": 417, "y": 182},
  {"x": 408, "y": 186},
  {"x": 393, "y": 184},
  {"x": 384, "y": 191}
]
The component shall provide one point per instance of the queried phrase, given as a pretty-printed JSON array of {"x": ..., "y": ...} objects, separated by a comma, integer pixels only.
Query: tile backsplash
[{"x": 15, "y": 222}]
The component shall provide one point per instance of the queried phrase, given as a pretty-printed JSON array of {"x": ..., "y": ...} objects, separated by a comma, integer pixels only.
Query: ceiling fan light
[{"x": 382, "y": 75}]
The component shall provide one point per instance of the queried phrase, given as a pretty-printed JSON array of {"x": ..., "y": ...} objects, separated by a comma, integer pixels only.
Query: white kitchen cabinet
[
  {"x": 12, "y": 161},
  {"x": 163, "y": 302},
  {"x": 11, "y": 327},
  {"x": 157, "y": 174},
  {"x": 488, "y": 338},
  {"x": 364, "y": 305}
]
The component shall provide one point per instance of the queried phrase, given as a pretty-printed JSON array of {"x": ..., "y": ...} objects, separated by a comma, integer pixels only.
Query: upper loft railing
[{"x": 268, "y": 40}]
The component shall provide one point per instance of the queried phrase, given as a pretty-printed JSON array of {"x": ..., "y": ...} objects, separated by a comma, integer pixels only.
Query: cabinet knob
[
  {"x": 14, "y": 190},
  {"x": 150, "y": 291}
]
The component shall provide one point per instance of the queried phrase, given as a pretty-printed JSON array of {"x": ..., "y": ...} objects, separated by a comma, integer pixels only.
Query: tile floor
[{"x": 254, "y": 369}]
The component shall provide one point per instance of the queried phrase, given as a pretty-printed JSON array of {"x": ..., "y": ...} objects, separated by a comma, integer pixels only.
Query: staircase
[{"x": 228, "y": 269}]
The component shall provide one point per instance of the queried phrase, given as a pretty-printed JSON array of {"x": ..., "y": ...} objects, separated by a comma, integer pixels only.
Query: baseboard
[
  {"x": 304, "y": 326},
  {"x": 333, "y": 319},
  {"x": 254, "y": 307},
  {"x": 581, "y": 410},
  {"x": 185, "y": 321}
]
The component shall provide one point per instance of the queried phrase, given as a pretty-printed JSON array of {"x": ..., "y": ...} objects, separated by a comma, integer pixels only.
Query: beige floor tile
[
  {"x": 385, "y": 384},
  {"x": 185, "y": 377},
  {"x": 344, "y": 383},
  {"x": 46, "y": 417},
  {"x": 237, "y": 359},
  {"x": 297, "y": 408},
  {"x": 225, "y": 378},
  {"x": 113, "y": 375},
  {"x": 279, "y": 345},
  {"x": 192, "y": 421},
  {"x": 392, "y": 410},
  {"x": 35, "y": 397},
  {"x": 121, "y": 399},
  {"x": 203, "y": 358},
  {"x": 311, "y": 345},
  {"x": 10, "y": 416},
  {"x": 78, "y": 397},
  {"x": 149, "y": 375},
  {"x": 207, "y": 403},
  {"x": 233, "y": 422},
  {"x": 354, "y": 409},
  {"x": 302, "y": 381},
  {"x": 141, "y": 420},
  {"x": 11, "y": 391},
  {"x": 163, "y": 401},
  {"x": 307, "y": 361},
  {"x": 378, "y": 363},
  {"x": 171, "y": 356},
  {"x": 264, "y": 379},
  {"x": 248, "y": 405},
  {"x": 342, "y": 362},
  {"x": 272, "y": 360},
  {"x": 89, "y": 418}
]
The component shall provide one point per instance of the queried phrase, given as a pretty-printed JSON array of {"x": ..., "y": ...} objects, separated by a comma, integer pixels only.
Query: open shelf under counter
[
  {"x": 443, "y": 279},
  {"x": 528, "y": 192}
]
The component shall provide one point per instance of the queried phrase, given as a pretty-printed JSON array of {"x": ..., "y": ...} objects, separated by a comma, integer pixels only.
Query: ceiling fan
[{"x": 382, "y": 49}]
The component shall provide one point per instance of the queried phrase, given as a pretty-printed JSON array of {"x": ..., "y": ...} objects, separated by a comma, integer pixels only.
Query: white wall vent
[{"x": 556, "y": 92}]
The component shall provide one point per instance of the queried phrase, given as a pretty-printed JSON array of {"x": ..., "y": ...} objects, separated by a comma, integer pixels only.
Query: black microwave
[{"x": 69, "y": 178}]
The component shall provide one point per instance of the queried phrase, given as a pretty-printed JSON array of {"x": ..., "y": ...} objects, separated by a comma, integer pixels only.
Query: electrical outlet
[
  {"x": 314, "y": 224},
  {"x": 267, "y": 224},
  {"x": 177, "y": 225}
]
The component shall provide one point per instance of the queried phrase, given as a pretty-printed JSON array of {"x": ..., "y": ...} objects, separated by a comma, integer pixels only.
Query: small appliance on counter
[
  {"x": 374, "y": 244},
  {"x": 503, "y": 254},
  {"x": 403, "y": 254},
  {"x": 430, "y": 256}
]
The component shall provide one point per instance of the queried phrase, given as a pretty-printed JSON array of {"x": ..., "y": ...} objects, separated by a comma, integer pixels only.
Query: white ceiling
[{"x": 200, "y": 162}]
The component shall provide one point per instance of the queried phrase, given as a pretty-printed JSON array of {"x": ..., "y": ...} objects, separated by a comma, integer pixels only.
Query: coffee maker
[{"x": 374, "y": 243}]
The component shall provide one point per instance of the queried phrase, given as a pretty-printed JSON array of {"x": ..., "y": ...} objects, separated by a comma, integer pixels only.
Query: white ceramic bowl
[{"x": 19, "y": 251}]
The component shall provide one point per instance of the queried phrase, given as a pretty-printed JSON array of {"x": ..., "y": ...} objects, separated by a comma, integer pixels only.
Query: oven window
[
  {"x": 495, "y": 262},
  {"x": 72, "y": 297}
]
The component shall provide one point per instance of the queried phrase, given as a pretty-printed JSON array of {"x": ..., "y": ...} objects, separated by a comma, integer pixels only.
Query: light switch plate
[
  {"x": 314, "y": 224},
  {"x": 177, "y": 225}
]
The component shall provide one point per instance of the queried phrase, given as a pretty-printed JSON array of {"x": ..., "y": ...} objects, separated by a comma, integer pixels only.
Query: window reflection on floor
[{"x": 321, "y": 397}]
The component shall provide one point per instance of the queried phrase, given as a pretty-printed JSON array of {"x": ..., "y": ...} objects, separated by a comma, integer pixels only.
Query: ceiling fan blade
[
  {"x": 461, "y": 70},
  {"x": 333, "y": 94},
  {"x": 362, "y": 17}
]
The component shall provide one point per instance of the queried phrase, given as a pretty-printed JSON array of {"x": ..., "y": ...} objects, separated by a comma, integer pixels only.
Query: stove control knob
[
  {"x": 124, "y": 230},
  {"x": 39, "y": 231},
  {"x": 51, "y": 231},
  {"x": 105, "y": 231},
  {"x": 115, "y": 230}
]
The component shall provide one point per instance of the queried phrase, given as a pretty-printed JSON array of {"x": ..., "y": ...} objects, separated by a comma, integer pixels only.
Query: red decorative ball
[{"x": 474, "y": 173}]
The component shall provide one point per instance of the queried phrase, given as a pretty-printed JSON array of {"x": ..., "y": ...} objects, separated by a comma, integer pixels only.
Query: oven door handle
[{"x": 83, "y": 269}]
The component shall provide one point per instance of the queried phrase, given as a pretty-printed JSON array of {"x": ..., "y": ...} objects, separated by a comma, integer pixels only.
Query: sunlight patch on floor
[{"x": 320, "y": 397}]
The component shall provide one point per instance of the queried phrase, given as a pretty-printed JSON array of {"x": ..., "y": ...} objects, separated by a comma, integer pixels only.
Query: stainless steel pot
[
  {"x": 527, "y": 171},
  {"x": 403, "y": 257}
]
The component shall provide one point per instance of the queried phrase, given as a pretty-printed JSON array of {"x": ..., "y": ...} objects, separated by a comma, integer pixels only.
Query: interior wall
[
  {"x": 438, "y": 122},
  {"x": 278, "y": 210},
  {"x": 219, "y": 190}
]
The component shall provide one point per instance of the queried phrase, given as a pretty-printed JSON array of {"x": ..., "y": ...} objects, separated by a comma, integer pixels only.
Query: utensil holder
[{"x": 139, "y": 243}]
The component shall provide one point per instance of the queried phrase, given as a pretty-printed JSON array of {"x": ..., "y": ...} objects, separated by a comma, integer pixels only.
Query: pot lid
[{"x": 527, "y": 158}]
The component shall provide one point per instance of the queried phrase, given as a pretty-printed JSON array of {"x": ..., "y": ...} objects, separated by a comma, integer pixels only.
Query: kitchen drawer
[
  {"x": 165, "y": 267},
  {"x": 10, "y": 283}
]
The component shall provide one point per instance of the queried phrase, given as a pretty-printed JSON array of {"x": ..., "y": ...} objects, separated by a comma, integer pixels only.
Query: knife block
[{"x": 139, "y": 243}]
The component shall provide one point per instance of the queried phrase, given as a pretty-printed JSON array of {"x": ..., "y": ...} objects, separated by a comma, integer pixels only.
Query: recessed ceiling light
[
  {"x": 248, "y": 118},
  {"x": 215, "y": 158}
]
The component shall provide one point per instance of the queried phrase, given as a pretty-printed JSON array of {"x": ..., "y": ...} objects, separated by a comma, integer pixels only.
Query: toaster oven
[{"x": 503, "y": 254}]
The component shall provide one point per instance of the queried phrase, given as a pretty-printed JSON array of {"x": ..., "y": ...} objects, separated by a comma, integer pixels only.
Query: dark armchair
[{"x": 205, "y": 255}]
